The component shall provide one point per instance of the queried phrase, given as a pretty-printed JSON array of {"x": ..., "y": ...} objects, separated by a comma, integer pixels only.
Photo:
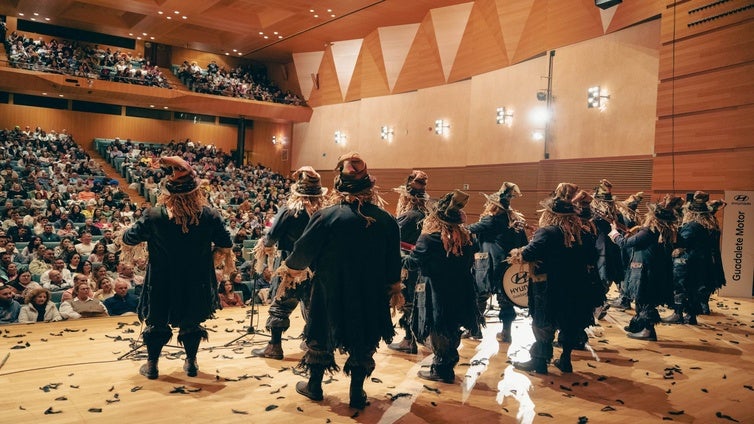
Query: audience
[
  {"x": 123, "y": 302},
  {"x": 83, "y": 305},
  {"x": 39, "y": 308}
]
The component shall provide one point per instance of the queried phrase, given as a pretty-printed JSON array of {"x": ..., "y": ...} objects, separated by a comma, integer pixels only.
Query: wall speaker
[{"x": 607, "y": 4}]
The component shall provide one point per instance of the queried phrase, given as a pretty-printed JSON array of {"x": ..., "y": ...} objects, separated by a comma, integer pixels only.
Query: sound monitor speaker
[{"x": 606, "y": 4}]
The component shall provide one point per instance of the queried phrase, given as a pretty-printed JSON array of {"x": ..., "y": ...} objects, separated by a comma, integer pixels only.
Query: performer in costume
[
  {"x": 628, "y": 218},
  {"x": 445, "y": 292},
  {"x": 353, "y": 249},
  {"x": 306, "y": 198},
  {"x": 500, "y": 229},
  {"x": 716, "y": 274},
  {"x": 692, "y": 259},
  {"x": 609, "y": 262},
  {"x": 560, "y": 266},
  {"x": 185, "y": 239},
  {"x": 649, "y": 277},
  {"x": 410, "y": 213}
]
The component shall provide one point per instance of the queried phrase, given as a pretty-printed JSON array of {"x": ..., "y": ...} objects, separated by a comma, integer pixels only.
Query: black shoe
[
  {"x": 504, "y": 337},
  {"x": 191, "y": 367},
  {"x": 434, "y": 376},
  {"x": 359, "y": 400},
  {"x": 645, "y": 334},
  {"x": 690, "y": 319},
  {"x": 675, "y": 318},
  {"x": 621, "y": 304},
  {"x": 704, "y": 309},
  {"x": 149, "y": 370},
  {"x": 405, "y": 346},
  {"x": 563, "y": 365},
  {"x": 302, "y": 387},
  {"x": 469, "y": 335},
  {"x": 538, "y": 366}
]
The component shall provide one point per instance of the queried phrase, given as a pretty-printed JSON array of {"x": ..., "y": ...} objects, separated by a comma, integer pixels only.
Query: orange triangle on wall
[
  {"x": 423, "y": 67},
  {"x": 369, "y": 77},
  {"x": 329, "y": 87},
  {"x": 482, "y": 48}
]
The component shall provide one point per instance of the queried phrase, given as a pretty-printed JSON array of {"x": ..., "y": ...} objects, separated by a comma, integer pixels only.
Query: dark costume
[
  {"x": 609, "y": 261},
  {"x": 716, "y": 272},
  {"x": 287, "y": 227},
  {"x": 180, "y": 287},
  {"x": 649, "y": 277},
  {"x": 411, "y": 210},
  {"x": 499, "y": 230},
  {"x": 353, "y": 249},
  {"x": 559, "y": 281},
  {"x": 628, "y": 218},
  {"x": 445, "y": 293}
]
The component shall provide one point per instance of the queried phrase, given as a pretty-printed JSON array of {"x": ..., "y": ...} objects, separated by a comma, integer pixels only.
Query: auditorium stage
[{"x": 69, "y": 372}]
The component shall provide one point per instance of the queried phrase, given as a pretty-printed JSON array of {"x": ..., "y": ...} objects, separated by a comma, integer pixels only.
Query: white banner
[{"x": 738, "y": 244}]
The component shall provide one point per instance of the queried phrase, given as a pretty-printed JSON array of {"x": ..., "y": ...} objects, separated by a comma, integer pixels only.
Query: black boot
[
  {"x": 676, "y": 317},
  {"x": 564, "y": 363},
  {"x": 537, "y": 365},
  {"x": 505, "y": 335},
  {"x": 191, "y": 343},
  {"x": 312, "y": 388},
  {"x": 434, "y": 374},
  {"x": 358, "y": 397},
  {"x": 407, "y": 345},
  {"x": 154, "y": 340}
]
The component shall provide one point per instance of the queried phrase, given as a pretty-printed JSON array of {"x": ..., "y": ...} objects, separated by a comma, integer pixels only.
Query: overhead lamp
[
  {"x": 340, "y": 137},
  {"x": 274, "y": 140},
  {"x": 386, "y": 132},
  {"x": 441, "y": 126},
  {"x": 538, "y": 135},
  {"x": 597, "y": 98},
  {"x": 504, "y": 116}
]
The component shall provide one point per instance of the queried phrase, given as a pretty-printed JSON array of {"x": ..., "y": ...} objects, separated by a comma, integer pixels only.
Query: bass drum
[{"x": 516, "y": 285}]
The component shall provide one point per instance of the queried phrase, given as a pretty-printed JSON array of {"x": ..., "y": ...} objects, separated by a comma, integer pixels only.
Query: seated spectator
[
  {"x": 58, "y": 264},
  {"x": 236, "y": 279},
  {"x": 228, "y": 297},
  {"x": 23, "y": 284},
  {"x": 9, "y": 308},
  {"x": 123, "y": 302},
  {"x": 86, "y": 246},
  {"x": 68, "y": 231},
  {"x": 76, "y": 215},
  {"x": 262, "y": 286},
  {"x": 83, "y": 305},
  {"x": 89, "y": 226},
  {"x": 29, "y": 252},
  {"x": 55, "y": 281},
  {"x": 98, "y": 273},
  {"x": 73, "y": 263},
  {"x": 111, "y": 263},
  {"x": 98, "y": 254},
  {"x": 126, "y": 275},
  {"x": 86, "y": 269},
  {"x": 48, "y": 233},
  {"x": 39, "y": 308},
  {"x": 43, "y": 262},
  {"x": 105, "y": 289}
]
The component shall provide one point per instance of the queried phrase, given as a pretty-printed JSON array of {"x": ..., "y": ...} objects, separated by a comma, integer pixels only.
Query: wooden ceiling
[{"x": 263, "y": 30}]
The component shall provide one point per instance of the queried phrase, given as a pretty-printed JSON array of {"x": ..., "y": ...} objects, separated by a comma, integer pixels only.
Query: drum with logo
[{"x": 516, "y": 284}]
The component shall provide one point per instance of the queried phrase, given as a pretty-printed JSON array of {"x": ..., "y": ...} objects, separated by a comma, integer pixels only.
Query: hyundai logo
[
  {"x": 520, "y": 278},
  {"x": 741, "y": 198}
]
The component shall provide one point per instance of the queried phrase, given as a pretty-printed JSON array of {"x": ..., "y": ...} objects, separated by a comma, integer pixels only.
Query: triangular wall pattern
[
  {"x": 423, "y": 67},
  {"x": 482, "y": 48},
  {"x": 395, "y": 42},
  {"x": 630, "y": 12},
  {"x": 307, "y": 64},
  {"x": 449, "y": 23},
  {"x": 329, "y": 87},
  {"x": 607, "y": 16},
  {"x": 369, "y": 77},
  {"x": 514, "y": 17},
  {"x": 577, "y": 20}
]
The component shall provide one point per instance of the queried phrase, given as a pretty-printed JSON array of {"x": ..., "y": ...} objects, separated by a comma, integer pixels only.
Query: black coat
[
  {"x": 180, "y": 287},
  {"x": 354, "y": 266},
  {"x": 410, "y": 224},
  {"x": 447, "y": 300},
  {"x": 649, "y": 276},
  {"x": 609, "y": 262},
  {"x": 496, "y": 239},
  {"x": 565, "y": 300}
]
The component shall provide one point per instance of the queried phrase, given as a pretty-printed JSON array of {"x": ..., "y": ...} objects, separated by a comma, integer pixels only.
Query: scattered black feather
[
  {"x": 236, "y": 411},
  {"x": 97, "y": 410},
  {"x": 608, "y": 408},
  {"x": 19, "y": 347},
  {"x": 21, "y": 408},
  {"x": 667, "y": 419},
  {"x": 545, "y": 414},
  {"x": 734, "y": 341},
  {"x": 111, "y": 389},
  {"x": 109, "y": 401},
  {"x": 356, "y": 414},
  {"x": 681, "y": 412},
  {"x": 376, "y": 380},
  {"x": 719, "y": 414},
  {"x": 136, "y": 388},
  {"x": 283, "y": 369},
  {"x": 275, "y": 391},
  {"x": 575, "y": 383},
  {"x": 328, "y": 421},
  {"x": 435, "y": 404},
  {"x": 695, "y": 368},
  {"x": 589, "y": 364},
  {"x": 583, "y": 419},
  {"x": 705, "y": 390},
  {"x": 73, "y": 386},
  {"x": 725, "y": 376},
  {"x": 44, "y": 340},
  {"x": 298, "y": 408},
  {"x": 399, "y": 395},
  {"x": 61, "y": 398},
  {"x": 620, "y": 401},
  {"x": 667, "y": 391},
  {"x": 49, "y": 411},
  {"x": 566, "y": 388},
  {"x": 265, "y": 385},
  {"x": 270, "y": 407},
  {"x": 432, "y": 389},
  {"x": 749, "y": 387},
  {"x": 601, "y": 378}
]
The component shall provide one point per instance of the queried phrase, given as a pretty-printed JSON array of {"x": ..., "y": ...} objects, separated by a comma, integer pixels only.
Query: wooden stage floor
[{"x": 69, "y": 372}]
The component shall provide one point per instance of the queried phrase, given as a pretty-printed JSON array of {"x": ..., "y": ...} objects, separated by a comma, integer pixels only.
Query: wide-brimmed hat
[
  {"x": 698, "y": 202},
  {"x": 502, "y": 198},
  {"x": 666, "y": 209},
  {"x": 182, "y": 178},
  {"x": 561, "y": 200},
  {"x": 416, "y": 184},
  {"x": 450, "y": 208},
  {"x": 604, "y": 191},
  {"x": 352, "y": 174},
  {"x": 308, "y": 182},
  {"x": 633, "y": 201},
  {"x": 583, "y": 201}
]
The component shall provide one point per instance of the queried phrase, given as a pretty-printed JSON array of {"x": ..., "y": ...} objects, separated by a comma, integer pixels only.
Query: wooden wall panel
[
  {"x": 689, "y": 18},
  {"x": 716, "y": 171},
  {"x": 369, "y": 77},
  {"x": 328, "y": 91},
  {"x": 726, "y": 46},
  {"x": 570, "y": 22},
  {"x": 630, "y": 12},
  {"x": 482, "y": 48},
  {"x": 628, "y": 174},
  {"x": 533, "y": 38},
  {"x": 725, "y": 88},
  {"x": 423, "y": 67},
  {"x": 719, "y": 129}
]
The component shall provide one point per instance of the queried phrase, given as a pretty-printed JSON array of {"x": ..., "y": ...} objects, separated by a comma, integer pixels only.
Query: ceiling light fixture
[
  {"x": 160, "y": 12},
  {"x": 170, "y": 18},
  {"x": 20, "y": 14}
]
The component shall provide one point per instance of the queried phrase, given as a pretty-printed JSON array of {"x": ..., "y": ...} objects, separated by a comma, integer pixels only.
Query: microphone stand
[{"x": 250, "y": 331}]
